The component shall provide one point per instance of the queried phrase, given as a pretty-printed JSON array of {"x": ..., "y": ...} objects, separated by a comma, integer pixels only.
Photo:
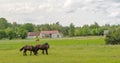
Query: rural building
[
  {"x": 33, "y": 34},
  {"x": 50, "y": 34},
  {"x": 45, "y": 34},
  {"x": 106, "y": 32}
]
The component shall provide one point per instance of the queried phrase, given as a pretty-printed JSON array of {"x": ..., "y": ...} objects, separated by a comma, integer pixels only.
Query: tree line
[{"x": 15, "y": 30}]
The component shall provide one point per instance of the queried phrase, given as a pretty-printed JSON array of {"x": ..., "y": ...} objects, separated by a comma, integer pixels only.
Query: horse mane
[{"x": 46, "y": 43}]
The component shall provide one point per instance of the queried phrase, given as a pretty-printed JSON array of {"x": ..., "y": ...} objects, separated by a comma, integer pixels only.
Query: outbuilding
[
  {"x": 50, "y": 34},
  {"x": 45, "y": 34}
]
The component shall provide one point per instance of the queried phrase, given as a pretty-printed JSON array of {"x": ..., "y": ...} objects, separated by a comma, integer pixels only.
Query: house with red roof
[
  {"x": 50, "y": 34},
  {"x": 45, "y": 34}
]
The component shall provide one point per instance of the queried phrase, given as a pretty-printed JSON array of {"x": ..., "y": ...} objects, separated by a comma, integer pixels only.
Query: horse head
[
  {"x": 46, "y": 45},
  {"x": 34, "y": 49}
]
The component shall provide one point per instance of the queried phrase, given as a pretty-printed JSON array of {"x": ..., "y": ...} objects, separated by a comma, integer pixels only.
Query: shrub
[{"x": 113, "y": 36}]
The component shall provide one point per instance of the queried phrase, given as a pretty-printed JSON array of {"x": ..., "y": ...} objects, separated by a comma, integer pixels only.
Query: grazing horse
[
  {"x": 43, "y": 47},
  {"x": 29, "y": 48}
]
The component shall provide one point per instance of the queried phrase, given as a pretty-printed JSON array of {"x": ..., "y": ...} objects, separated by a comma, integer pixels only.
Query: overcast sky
[{"x": 78, "y": 12}]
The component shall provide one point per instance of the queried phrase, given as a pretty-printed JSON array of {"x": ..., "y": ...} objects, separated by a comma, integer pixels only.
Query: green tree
[
  {"x": 77, "y": 31},
  {"x": 45, "y": 27},
  {"x": 22, "y": 33},
  {"x": 94, "y": 26},
  {"x": 2, "y": 34},
  {"x": 95, "y": 29},
  {"x": 85, "y": 30},
  {"x": 37, "y": 28},
  {"x": 71, "y": 30},
  {"x": 14, "y": 25},
  {"x": 64, "y": 30},
  {"x": 29, "y": 27},
  {"x": 56, "y": 26},
  {"x": 3, "y": 23},
  {"x": 10, "y": 33}
]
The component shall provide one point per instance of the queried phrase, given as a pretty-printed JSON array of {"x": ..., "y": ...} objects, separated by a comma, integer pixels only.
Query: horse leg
[
  {"x": 24, "y": 53},
  {"x": 30, "y": 53},
  {"x": 42, "y": 51},
  {"x": 36, "y": 52},
  {"x": 46, "y": 51}
]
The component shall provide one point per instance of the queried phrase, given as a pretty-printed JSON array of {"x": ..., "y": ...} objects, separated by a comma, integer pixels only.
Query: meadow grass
[{"x": 63, "y": 50}]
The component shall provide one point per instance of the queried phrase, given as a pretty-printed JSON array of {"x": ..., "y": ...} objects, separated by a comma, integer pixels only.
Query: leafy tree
[
  {"x": 2, "y": 34},
  {"x": 71, "y": 30},
  {"x": 64, "y": 31},
  {"x": 22, "y": 33},
  {"x": 37, "y": 28},
  {"x": 85, "y": 30},
  {"x": 94, "y": 26},
  {"x": 15, "y": 25},
  {"x": 95, "y": 29},
  {"x": 10, "y": 33},
  {"x": 45, "y": 27},
  {"x": 3, "y": 23},
  {"x": 77, "y": 31},
  {"x": 29, "y": 27},
  {"x": 56, "y": 26}
]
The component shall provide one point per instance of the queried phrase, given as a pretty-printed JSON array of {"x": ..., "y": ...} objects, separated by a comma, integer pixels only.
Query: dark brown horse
[
  {"x": 29, "y": 48},
  {"x": 43, "y": 47}
]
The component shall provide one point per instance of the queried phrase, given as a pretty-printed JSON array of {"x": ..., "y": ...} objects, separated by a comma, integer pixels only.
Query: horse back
[
  {"x": 42, "y": 46},
  {"x": 30, "y": 48}
]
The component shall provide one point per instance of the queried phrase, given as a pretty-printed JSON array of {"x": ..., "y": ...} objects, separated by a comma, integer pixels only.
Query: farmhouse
[
  {"x": 45, "y": 34},
  {"x": 50, "y": 34}
]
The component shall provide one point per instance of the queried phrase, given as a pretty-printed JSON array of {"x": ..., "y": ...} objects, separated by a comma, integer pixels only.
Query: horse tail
[{"x": 21, "y": 48}]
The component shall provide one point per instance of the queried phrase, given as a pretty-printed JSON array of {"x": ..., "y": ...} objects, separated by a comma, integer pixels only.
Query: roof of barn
[
  {"x": 33, "y": 33},
  {"x": 49, "y": 32}
]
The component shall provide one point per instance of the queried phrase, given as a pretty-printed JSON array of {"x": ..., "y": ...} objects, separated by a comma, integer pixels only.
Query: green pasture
[{"x": 62, "y": 50}]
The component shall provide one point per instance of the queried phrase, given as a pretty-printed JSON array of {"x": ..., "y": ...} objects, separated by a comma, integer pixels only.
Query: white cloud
[
  {"x": 79, "y": 12},
  {"x": 114, "y": 14},
  {"x": 21, "y": 8},
  {"x": 67, "y": 3}
]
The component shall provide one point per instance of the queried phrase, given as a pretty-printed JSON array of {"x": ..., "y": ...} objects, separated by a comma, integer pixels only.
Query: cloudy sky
[{"x": 78, "y": 12}]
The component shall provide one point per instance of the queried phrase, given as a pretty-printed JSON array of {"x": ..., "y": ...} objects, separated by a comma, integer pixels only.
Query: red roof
[
  {"x": 33, "y": 33},
  {"x": 49, "y": 32},
  {"x": 42, "y": 32}
]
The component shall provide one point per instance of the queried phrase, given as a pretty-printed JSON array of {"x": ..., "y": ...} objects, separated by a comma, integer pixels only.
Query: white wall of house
[
  {"x": 57, "y": 35},
  {"x": 42, "y": 35}
]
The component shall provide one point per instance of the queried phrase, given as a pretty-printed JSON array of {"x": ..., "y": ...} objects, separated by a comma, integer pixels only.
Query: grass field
[{"x": 63, "y": 50}]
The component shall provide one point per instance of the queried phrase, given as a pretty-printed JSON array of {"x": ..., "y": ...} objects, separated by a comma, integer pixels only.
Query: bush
[{"x": 113, "y": 37}]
